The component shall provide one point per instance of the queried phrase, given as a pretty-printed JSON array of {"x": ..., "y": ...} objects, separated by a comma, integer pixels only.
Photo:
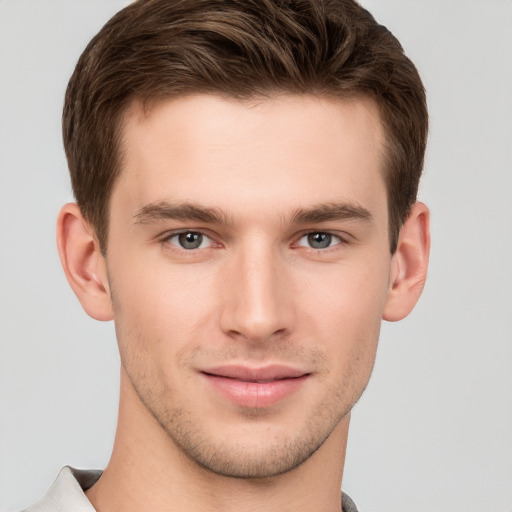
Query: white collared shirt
[{"x": 67, "y": 493}]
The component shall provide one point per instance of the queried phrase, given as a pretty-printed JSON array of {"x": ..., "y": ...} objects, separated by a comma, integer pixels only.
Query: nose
[{"x": 257, "y": 295}]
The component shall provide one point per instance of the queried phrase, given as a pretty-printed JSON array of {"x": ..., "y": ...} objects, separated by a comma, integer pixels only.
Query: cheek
[
  {"x": 157, "y": 306},
  {"x": 345, "y": 310},
  {"x": 351, "y": 294}
]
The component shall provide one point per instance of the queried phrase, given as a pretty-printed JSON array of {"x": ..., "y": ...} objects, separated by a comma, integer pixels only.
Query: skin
[{"x": 293, "y": 269}]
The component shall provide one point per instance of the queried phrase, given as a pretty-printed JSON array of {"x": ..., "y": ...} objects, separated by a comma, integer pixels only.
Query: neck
[{"x": 148, "y": 472}]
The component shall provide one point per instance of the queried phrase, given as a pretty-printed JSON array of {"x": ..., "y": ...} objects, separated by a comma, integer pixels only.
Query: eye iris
[
  {"x": 319, "y": 240},
  {"x": 190, "y": 240}
]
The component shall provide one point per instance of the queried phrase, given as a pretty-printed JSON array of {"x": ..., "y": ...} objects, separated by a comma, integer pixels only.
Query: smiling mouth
[
  {"x": 256, "y": 381},
  {"x": 255, "y": 388}
]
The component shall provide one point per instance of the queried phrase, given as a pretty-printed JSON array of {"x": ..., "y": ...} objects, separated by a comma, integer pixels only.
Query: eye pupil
[
  {"x": 319, "y": 240},
  {"x": 190, "y": 240}
]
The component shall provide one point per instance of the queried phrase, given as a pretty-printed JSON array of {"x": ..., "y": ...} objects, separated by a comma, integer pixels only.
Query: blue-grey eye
[
  {"x": 190, "y": 240},
  {"x": 319, "y": 240}
]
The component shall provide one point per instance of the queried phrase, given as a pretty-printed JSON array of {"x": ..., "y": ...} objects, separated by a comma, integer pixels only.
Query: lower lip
[{"x": 255, "y": 394}]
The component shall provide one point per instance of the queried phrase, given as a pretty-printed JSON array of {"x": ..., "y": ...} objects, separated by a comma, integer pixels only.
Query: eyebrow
[
  {"x": 165, "y": 210},
  {"x": 331, "y": 211}
]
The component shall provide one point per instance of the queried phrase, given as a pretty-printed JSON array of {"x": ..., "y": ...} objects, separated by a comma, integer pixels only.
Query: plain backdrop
[{"x": 434, "y": 429}]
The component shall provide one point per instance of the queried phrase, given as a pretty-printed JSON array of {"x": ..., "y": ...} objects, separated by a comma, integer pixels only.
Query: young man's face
[{"x": 249, "y": 268}]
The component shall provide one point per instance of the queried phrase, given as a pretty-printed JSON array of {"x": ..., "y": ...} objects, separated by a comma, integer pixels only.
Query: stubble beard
[{"x": 252, "y": 458}]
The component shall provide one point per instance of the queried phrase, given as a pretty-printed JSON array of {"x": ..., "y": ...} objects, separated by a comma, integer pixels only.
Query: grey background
[{"x": 434, "y": 429}]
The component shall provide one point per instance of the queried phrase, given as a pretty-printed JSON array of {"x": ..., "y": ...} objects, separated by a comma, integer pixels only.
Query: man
[{"x": 245, "y": 175}]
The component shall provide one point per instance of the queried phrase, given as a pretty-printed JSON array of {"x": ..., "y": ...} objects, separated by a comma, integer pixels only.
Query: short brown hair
[{"x": 155, "y": 49}]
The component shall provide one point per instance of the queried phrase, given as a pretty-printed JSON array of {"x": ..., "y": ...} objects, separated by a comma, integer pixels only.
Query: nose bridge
[{"x": 257, "y": 305}]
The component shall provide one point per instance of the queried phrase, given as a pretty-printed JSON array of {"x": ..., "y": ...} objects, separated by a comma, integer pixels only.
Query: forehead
[{"x": 273, "y": 152}]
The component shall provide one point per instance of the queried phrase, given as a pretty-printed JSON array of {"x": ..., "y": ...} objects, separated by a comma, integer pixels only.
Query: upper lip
[{"x": 249, "y": 374}]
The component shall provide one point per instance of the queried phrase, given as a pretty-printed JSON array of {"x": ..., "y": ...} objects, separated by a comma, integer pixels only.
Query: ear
[
  {"x": 409, "y": 264},
  {"x": 83, "y": 262}
]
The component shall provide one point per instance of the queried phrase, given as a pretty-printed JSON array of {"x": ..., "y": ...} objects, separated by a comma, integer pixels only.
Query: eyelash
[
  {"x": 167, "y": 239},
  {"x": 341, "y": 241}
]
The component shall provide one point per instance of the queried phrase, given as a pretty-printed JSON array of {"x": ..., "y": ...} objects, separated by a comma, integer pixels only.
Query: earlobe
[
  {"x": 409, "y": 264},
  {"x": 83, "y": 262}
]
